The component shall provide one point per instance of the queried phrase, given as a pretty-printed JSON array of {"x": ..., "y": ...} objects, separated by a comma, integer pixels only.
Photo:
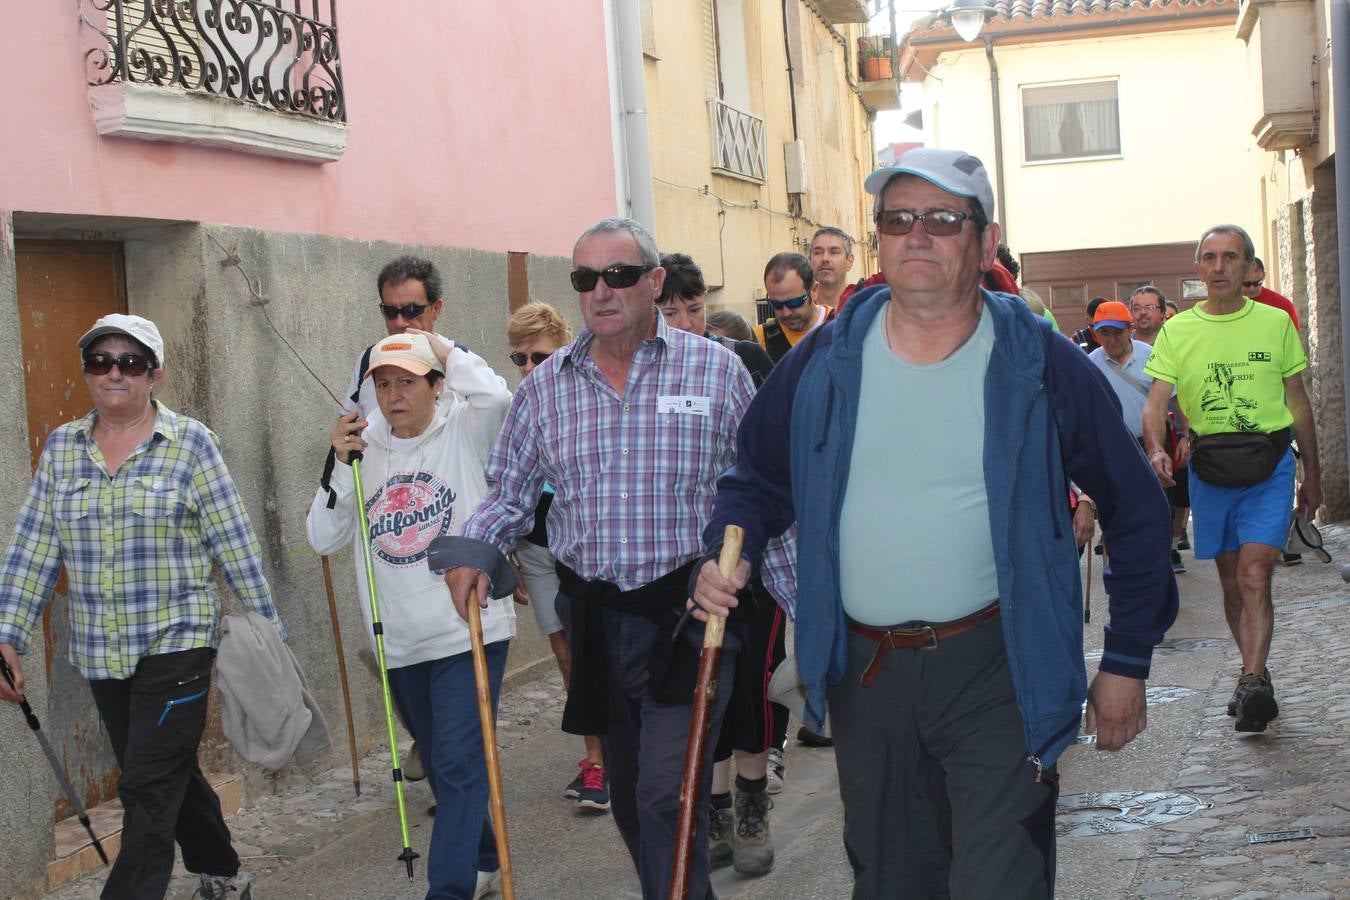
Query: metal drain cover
[
  {"x": 1111, "y": 812},
  {"x": 1159, "y": 695},
  {"x": 1191, "y": 645}
]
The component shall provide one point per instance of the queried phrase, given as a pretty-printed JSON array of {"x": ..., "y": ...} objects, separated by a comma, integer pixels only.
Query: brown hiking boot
[{"x": 1255, "y": 699}]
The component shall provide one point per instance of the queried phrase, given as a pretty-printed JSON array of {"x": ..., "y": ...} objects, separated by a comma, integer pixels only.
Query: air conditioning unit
[{"x": 794, "y": 153}]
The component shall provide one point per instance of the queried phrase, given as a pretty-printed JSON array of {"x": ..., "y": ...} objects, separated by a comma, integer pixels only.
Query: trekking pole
[
  {"x": 342, "y": 672},
  {"x": 66, "y": 787},
  {"x": 1087, "y": 595},
  {"x": 496, "y": 802},
  {"x": 408, "y": 855},
  {"x": 705, "y": 692}
]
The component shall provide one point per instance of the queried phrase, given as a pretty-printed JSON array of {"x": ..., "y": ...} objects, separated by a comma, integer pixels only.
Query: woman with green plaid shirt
[{"x": 135, "y": 502}]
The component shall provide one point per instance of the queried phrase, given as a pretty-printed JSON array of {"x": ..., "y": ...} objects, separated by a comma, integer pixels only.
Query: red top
[
  {"x": 855, "y": 287},
  {"x": 1279, "y": 301}
]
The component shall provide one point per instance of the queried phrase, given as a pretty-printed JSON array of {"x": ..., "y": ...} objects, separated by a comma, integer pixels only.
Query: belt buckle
[{"x": 915, "y": 632}]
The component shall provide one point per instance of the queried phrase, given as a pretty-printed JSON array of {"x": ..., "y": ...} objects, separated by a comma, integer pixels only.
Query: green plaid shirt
[{"x": 138, "y": 547}]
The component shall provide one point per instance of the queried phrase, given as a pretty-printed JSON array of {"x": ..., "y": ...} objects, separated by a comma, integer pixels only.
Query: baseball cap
[
  {"x": 1112, "y": 314},
  {"x": 955, "y": 171},
  {"x": 407, "y": 351},
  {"x": 143, "y": 331}
]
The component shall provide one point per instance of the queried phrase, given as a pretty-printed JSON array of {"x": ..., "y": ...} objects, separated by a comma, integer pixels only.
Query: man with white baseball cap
[{"x": 926, "y": 418}]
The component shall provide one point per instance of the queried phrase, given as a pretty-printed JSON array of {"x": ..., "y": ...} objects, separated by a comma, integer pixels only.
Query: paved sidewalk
[{"x": 320, "y": 841}]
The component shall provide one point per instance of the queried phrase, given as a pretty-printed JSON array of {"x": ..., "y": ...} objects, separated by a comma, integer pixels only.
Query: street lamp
[{"x": 968, "y": 17}]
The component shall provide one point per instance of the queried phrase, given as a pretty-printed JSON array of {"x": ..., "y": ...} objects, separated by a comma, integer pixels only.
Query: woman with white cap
[
  {"x": 135, "y": 503},
  {"x": 422, "y": 466}
]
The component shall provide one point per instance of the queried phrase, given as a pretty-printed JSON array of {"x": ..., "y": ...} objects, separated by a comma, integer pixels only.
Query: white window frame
[{"x": 1086, "y": 84}]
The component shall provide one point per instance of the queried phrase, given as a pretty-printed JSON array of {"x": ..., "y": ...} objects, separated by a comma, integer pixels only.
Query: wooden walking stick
[
  {"x": 342, "y": 673},
  {"x": 704, "y": 694},
  {"x": 494, "y": 772}
]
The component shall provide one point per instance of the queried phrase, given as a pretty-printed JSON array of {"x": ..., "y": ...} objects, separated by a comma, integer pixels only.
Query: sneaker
[
  {"x": 1293, "y": 559},
  {"x": 1184, "y": 540},
  {"x": 488, "y": 883},
  {"x": 1256, "y": 706},
  {"x": 225, "y": 887},
  {"x": 1178, "y": 566},
  {"x": 811, "y": 739},
  {"x": 776, "y": 771},
  {"x": 752, "y": 851},
  {"x": 594, "y": 790},
  {"x": 412, "y": 765},
  {"x": 721, "y": 826},
  {"x": 573, "y": 789}
]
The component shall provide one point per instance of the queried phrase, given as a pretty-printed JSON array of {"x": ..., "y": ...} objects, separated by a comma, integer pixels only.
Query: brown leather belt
[{"x": 922, "y": 637}]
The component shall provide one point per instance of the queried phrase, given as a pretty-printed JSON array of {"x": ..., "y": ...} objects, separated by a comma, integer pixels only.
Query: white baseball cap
[
  {"x": 407, "y": 351},
  {"x": 143, "y": 331}
]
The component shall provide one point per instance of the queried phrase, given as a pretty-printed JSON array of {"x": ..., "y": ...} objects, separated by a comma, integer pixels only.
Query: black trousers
[{"x": 155, "y": 721}]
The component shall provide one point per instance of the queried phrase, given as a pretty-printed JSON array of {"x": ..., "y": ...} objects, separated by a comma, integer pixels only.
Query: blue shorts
[{"x": 1226, "y": 518}]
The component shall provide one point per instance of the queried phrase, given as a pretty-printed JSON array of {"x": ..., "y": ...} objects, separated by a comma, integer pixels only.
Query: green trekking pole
[{"x": 408, "y": 855}]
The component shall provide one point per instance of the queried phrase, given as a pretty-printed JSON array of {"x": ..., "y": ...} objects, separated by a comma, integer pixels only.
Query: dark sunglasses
[
  {"x": 1256, "y": 283},
  {"x": 100, "y": 363},
  {"x": 794, "y": 303},
  {"x": 537, "y": 357},
  {"x": 584, "y": 280},
  {"x": 408, "y": 311},
  {"x": 937, "y": 222}
]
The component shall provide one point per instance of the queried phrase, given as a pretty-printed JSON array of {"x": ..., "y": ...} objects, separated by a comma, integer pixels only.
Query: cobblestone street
[{"x": 320, "y": 841}]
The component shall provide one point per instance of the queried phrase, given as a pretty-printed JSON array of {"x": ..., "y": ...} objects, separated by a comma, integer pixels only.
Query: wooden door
[{"x": 63, "y": 288}]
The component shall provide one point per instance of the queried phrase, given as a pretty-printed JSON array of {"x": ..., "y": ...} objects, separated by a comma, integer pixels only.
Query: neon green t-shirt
[{"x": 1230, "y": 370}]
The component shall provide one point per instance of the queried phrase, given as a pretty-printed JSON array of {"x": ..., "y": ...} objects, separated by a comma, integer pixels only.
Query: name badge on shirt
[{"x": 683, "y": 405}]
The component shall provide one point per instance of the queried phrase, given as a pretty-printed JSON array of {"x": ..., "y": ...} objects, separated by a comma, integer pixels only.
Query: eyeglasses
[
  {"x": 584, "y": 280},
  {"x": 408, "y": 311},
  {"x": 99, "y": 363},
  {"x": 537, "y": 357},
  {"x": 794, "y": 303},
  {"x": 1256, "y": 283},
  {"x": 937, "y": 222},
  {"x": 1145, "y": 307}
]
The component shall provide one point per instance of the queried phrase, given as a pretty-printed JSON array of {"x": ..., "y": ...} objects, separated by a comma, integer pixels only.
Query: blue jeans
[{"x": 439, "y": 704}]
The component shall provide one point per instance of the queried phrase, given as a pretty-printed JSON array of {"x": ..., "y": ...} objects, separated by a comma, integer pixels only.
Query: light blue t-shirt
[
  {"x": 1123, "y": 380},
  {"x": 914, "y": 534}
]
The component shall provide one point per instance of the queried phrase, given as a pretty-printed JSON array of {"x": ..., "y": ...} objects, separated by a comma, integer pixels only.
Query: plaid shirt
[
  {"x": 138, "y": 547},
  {"x": 634, "y": 480}
]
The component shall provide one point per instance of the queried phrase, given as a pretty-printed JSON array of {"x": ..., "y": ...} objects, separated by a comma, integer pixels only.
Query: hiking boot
[
  {"x": 776, "y": 771},
  {"x": 225, "y": 887},
  {"x": 1184, "y": 540},
  {"x": 1233, "y": 701},
  {"x": 487, "y": 883},
  {"x": 1256, "y": 704},
  {"x": 412, "y": 765},
  {"x": 594, "y": 790},
  {"x": 809, "y": 738},
  {"x": 1178, "y": 567},
  {"x": 752, "y": 851},
  {"x": 721, "y": 826}
]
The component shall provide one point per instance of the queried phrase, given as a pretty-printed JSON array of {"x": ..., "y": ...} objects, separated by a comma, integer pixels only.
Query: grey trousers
[{"x": 940, "y": 799}]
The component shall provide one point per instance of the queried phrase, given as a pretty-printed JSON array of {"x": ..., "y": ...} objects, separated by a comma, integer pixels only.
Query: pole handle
[{"x": 730, "y": 557}]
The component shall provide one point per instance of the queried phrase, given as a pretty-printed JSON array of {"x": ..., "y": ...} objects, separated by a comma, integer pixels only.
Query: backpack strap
[{"x": 330, "y": 460}]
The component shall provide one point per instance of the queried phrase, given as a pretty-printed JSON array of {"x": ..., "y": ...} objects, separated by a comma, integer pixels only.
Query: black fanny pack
[{"x": 1238, "y": 459}]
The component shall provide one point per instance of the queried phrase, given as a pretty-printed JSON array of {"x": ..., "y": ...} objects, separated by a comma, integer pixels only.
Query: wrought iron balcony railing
[
  {"x": 738, "y": 141},
  {"x": 273, "y": 53}
]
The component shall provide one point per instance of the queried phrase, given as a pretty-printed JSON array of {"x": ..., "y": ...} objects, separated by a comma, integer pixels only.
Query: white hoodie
[{"x": 418, "y": 489}]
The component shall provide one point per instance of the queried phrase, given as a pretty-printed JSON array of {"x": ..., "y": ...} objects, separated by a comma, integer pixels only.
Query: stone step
[{"x": 75, "y": 853}]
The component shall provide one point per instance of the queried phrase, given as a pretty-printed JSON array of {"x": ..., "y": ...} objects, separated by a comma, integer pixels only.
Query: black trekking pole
[{"x": 66, "y": 786}]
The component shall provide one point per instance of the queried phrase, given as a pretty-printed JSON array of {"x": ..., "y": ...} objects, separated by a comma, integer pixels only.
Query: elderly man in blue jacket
[{"x": 934, "y": 430}]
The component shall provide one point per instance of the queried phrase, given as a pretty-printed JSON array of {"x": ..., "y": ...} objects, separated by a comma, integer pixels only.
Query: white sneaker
[
  {"x": 488, "y": 883},
  {"x": 776, "y": 770},
  {"x": 222, "y": 887}
]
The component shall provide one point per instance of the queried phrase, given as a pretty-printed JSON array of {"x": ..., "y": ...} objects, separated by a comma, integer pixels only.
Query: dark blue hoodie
[{"x": 1046, "y": 421}]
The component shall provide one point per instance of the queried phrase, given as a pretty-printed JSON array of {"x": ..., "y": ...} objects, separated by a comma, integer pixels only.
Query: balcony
[
  {"x": 738, "y": 142},
  {"x": 878, "y": 88},
  {"x": 842, "y": 12},
  {"x": 261, "y": 76},
  {"x": 1281, "y": 101}
]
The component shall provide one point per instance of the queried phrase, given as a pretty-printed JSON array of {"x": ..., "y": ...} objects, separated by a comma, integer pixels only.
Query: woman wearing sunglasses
[
  {"x": 135, "y": 503},
  {"x": 537, "y": 331},
  {"x": 422, "y": 469}
]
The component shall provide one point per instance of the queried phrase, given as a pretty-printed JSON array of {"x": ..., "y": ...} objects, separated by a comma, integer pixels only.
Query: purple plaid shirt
[{"x": 634, "y": 475}]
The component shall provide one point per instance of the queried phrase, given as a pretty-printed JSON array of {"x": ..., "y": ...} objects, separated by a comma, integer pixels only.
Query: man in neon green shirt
[{"x": 1237, "y": 369}]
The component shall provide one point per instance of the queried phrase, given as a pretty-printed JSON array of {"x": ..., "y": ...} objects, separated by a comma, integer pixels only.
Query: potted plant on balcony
[{"x": 876, "y": 58}]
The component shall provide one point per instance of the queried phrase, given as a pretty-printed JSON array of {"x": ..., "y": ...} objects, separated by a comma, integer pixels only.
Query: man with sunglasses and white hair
[
  {"x": 788, "y": 285},
  {"x": 631, "y": 423},
  {"x": 933, "y": 429}
]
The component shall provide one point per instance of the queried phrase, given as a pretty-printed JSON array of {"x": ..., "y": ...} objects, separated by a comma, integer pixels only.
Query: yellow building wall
[
  {"x": 731, "y": 226},
  {"x": 1187, "y": 154}
]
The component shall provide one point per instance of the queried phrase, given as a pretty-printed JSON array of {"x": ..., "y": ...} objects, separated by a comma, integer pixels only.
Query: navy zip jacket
[{"x": 1049, "y": 417}]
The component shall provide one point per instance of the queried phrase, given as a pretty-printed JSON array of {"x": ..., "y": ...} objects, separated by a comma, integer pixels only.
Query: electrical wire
[{"x": 232, "y": 259}]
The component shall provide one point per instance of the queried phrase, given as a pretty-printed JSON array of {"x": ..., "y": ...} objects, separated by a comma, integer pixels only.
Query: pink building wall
[{"x": 483, "y": 125}]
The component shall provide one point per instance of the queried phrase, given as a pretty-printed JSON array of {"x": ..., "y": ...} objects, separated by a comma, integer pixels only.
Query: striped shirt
[
  {"x": 137, "y": 547},
  {"x": 634, "y": 475}
]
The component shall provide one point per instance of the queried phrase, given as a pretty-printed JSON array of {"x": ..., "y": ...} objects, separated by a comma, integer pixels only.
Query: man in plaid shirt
[
  {"x": 631, "y": 423},
  {"x": 135, "y": 502}
]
